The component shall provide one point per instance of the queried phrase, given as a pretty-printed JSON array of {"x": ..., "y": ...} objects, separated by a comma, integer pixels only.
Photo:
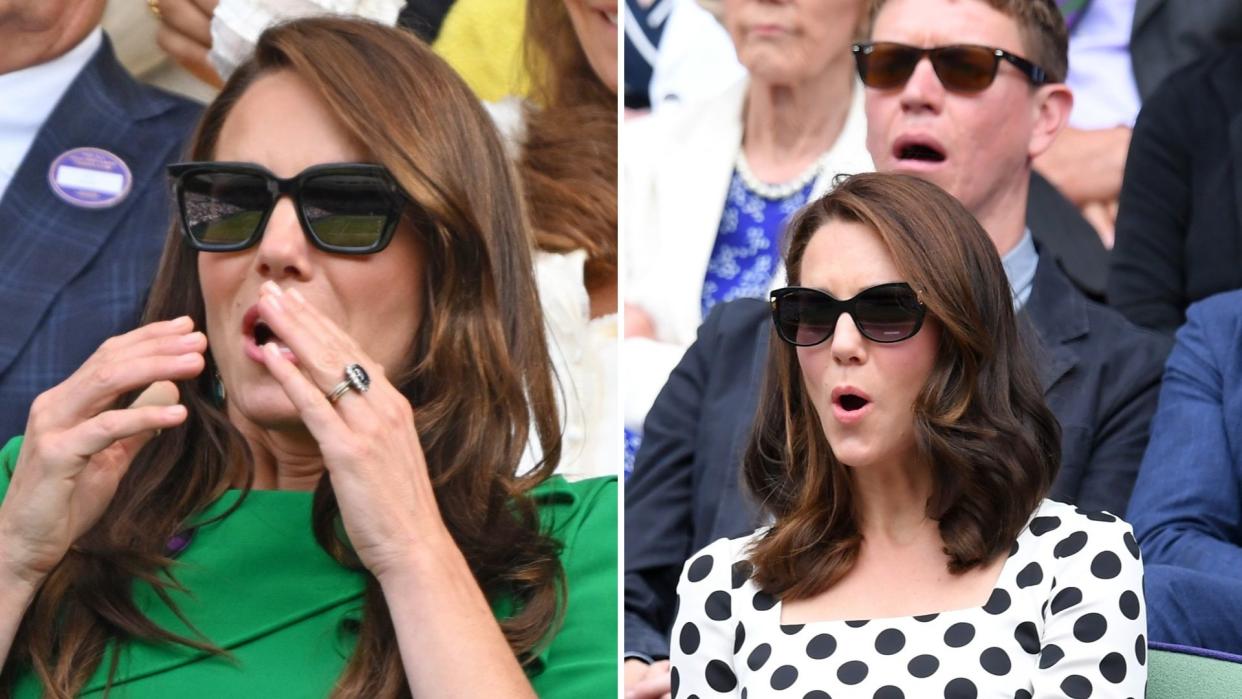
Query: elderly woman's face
[
  {"x": 842, "y": 259},
  {"x": 790, "y": 41},
  {"x": 281, "y": 124}
]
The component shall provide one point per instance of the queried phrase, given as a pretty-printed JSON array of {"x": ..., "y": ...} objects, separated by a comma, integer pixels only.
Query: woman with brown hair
[
  {"x": 318, "y": 495},
  {"x": 903, "y": 451}
]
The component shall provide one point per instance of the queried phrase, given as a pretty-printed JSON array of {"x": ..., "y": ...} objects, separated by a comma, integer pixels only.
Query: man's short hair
[{"x": 1044, "y": 35}]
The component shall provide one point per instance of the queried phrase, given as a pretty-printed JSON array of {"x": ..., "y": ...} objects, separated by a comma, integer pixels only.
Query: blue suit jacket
[
  {"x": 1187, "y": 504},
  {"x": 73, "y": 276}
]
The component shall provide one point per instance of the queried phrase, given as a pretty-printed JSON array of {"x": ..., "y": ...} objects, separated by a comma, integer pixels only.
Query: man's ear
[{"x": 1052, "y": 109}]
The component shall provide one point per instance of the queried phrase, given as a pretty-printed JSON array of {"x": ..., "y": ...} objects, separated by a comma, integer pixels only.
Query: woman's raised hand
[
  {"x": 77, "y": 447},
  {"x": 369, "y": 444}
]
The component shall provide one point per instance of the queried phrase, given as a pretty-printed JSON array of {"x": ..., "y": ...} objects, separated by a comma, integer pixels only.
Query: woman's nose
[
  {"x": 284, "y": 250},
  {"x": 848, "y": 345}
]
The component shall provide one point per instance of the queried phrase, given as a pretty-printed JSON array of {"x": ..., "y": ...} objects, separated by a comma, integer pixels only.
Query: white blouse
[{"x": 1066, "y": 618}]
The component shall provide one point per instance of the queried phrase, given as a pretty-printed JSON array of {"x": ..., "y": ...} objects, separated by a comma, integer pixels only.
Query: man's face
[{"x": 976, "y": 146}]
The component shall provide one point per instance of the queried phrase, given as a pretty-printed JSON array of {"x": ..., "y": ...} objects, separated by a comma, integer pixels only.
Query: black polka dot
[
  {"x": 821, "y": 646},
  {"x": 1070, "y": 545},
  {"x": 1113, "y": 667},
  {"x": 719, "y": 606},
  {"x": 699, "y": 568},
  {"x": 1050, "y": 656},
  {"x": 759, "y": 656},
  {"x": 1022, "y": 694},
  {"x": 888, "y": 692},
  {"x": 791, "y": 629},
  {"x": 1076, "y": 687},
  {"x": 998, "y": 602},
  {"x": 674, "y": 679},
  {"x": 784, "y": 677},
  {"x": 1032, "y": 574},
  {"x": 960, "y": 688},
  {"x": 1106, "y": 565},
  {"x": 890, "y": 642},
  {"x": 1013, "y": 550},
  {"x": 856, "y": 623},
  {"x": 763, "y": 601},
  {"x": 1043, "y": 610},
  {"x": 1043, "y": 525},
  {"x": 1027, "y": 637},
  {"x": 959, "y": 635},
  {"x": 1140, "y": 649},
  {"x": 853, "y": 672},
  {"x": 1129, "y": 604},
  {"x": 816, "y": 694},
  {"x": 923, "y": 666},
  {"x": 739, "y": 637},
  {"x": 741, "y": 573},
  {"x": 1065, "y": 599},
  {"x": 926, "y": 617},
  {"x": 995, "y": 661},
  {"x": 689, "y": 638},
  {"x": 1090, "y": 627},
  {"x": 1131, "y": 545},
  {"x": 720, "y": 677},
  {"x": 1100, "y": 516}
]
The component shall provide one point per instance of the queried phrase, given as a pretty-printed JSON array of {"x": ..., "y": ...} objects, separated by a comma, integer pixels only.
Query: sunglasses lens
[
  {"x": 348, "y": 211},
  {"x": 805, "y": 318},
  {"x": 965, "y": 68},
  {"x": 221, "y": 210},
  {"x": 888, "y": 313},
  {"x": 886, "y": 66}
]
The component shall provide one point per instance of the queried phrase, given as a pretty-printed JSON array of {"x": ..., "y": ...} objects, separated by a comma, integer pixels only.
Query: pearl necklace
[{"x": 780, "y": 190}]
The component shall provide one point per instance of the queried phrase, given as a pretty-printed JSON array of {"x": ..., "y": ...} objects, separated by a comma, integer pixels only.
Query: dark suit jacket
[
  {"x": 1170, "y": 34},
  {"x": 685, "y": 490},
  {"x": 72, "y": 276},
  {"x": 1179, "y": 228}
]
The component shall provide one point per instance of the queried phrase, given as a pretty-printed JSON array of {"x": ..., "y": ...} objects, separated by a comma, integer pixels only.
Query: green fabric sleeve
[
  {"x": 8, "y": 459},
  {"x": 582, "y": 658}
]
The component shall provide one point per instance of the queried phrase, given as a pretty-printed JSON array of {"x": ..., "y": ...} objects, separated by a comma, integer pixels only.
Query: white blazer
[{"x": 675, "y": 174}]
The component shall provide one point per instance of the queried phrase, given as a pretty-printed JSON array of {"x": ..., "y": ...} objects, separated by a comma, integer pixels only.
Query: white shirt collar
[{"x": 30, "y": 95}]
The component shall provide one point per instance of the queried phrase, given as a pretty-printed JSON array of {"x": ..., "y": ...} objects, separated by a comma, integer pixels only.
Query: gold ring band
[{"x": 154, "y": 6}]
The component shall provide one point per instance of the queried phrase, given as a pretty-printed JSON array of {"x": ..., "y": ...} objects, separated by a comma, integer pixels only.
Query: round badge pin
[{"x": 91, "y": 178}]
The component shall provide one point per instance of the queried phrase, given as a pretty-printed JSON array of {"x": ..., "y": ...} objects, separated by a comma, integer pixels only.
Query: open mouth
[
  {"x": 264, "y": 334},
  {"x": 851, "y": 402},
  {"x": 919, "y": 151}
]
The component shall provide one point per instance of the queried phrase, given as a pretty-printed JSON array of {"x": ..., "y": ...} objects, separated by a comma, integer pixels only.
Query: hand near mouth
[{"x": 369, "y": 442}]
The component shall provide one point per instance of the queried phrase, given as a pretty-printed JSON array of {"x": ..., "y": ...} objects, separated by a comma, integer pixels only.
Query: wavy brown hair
[
  {"x": 482, "y": 328},
  {"x": 980, "y": 420},
  {"x": 568, "y": 160}
]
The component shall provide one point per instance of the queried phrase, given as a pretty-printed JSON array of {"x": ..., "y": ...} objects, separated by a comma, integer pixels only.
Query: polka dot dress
[{"x": 1066, "y": 619}]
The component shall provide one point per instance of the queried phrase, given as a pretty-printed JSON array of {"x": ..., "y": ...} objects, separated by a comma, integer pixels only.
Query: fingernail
[
  {"x": 182, "y": 320},
  {"x": 273, "y": 303},
  {"x": 272, "y": 288},
  {"x": 270, "y": 348},
  {"x": 174, "y": 410},
  {"x": 297, "y": 296}
]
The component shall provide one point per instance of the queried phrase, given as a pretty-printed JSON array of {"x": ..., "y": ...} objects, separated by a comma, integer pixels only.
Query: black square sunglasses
[
  {"x": 886, "y": 313},
  {"x": 345, "y": 208},
  {"x": 961, "y": 67}
]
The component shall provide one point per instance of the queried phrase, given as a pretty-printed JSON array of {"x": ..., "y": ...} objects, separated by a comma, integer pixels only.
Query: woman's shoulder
[
  {"x": 579, "y": 510},
  {"x": 721, "y": 559},
  {"x": 1071, "y": 538}
]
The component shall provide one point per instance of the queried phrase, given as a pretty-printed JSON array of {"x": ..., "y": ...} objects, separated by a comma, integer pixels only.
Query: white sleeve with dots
[
  {"x": 1094, "y": 641},
  {"x": 701, "y": 647}
]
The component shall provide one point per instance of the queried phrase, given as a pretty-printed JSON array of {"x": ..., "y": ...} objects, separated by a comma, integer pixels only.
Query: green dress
[{"x": 261, "y": 588}]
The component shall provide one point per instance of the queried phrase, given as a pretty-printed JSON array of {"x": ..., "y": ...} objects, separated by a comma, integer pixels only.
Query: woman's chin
[{"x": 267, "y": 410}]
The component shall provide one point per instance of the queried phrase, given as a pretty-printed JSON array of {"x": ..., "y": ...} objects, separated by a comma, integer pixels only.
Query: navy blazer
[
  {"x": 1187, "y": 511},
  {"x": 74, "y": 276},
  {"x": 685, "y": 491}
]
